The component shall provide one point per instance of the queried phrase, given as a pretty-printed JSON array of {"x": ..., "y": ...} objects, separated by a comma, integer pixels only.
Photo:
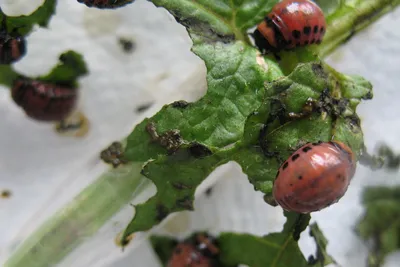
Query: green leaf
[
  {"x": 322, "y": 257},
  {"x": 235, "y": 89},
  {"x": 380, "y": 223},
  {"x": 24, "y": 24},
  {"x": 218, "y": 20},
  {"x": 271, "y": 135},
  {"x": 164, "y": 247},
  {"x": 243, "y": 116},
  {"x": 71, "y": 67},
  {"x": 345, "y": 18},
  {"x": 274, "y": 250}
]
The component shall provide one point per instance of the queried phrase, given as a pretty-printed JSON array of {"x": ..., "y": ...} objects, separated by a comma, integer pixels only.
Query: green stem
[
  {"x": 81, "y": 218},
  {"x": 350, "y": 19}
]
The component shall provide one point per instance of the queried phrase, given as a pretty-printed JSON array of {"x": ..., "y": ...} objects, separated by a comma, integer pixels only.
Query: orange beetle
[
  {"x": 291, "y": 23},
  {"x": 314, "y": 177},
  {"x": 200, "y": 253}
]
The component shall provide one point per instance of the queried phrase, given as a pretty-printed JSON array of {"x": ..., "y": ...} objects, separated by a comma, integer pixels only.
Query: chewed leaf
[
  {"x": 270, "y": 135},
  {"x": 24, "y": 24},
  {"x": 380, "y": 224},
  {"x": 284, "y": 121},
  {"x": 322, "y": 257},
  {"x": 274, "y": 250},
  {"x": 176, "y": 178},
  {"x": 217, "y": 20},
  {"x": 71, "y": 67},
  {"x": 235, "y": 89}
]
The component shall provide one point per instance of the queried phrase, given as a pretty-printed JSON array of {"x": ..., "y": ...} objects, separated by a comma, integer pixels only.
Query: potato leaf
[
  {"x": 245, "y": 114},
  {"x": 380, "y": 223},
  {"x": 23, "y": 25},
  {"x": 273, "y": 250}
]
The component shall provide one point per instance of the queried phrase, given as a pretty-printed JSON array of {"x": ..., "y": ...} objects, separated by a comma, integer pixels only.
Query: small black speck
[
  {"x": 285, "y": 165},
  {"x": 295, "y": 156},
  {"x": 318, "y": 42},
  {"x": 291, "y": 184},
  {"x": 322, "y": 30},
  {"x": 198, "y": 150},
  {"x": 306, "y": 149},
  {"x": 307, "y": 30},
  {"x": 127, "y": 45},
  {"x": 300, "y": 177},
  {"x": 180, "y": 104},
  {"x": 315, "y": 29},
  {"x": 296, "y": 34},
  {"x": 185, "y": 203},
  {"x": 209, "y": 191},
  {"x": 162, "y": 212},
  {"x": 312, "y": 41},
  {"x": 143, "y": 107}
]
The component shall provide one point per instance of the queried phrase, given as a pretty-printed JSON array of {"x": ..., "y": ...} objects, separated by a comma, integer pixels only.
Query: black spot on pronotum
[
  {"x": 307, "y": 30},
  {"x": 306, "y": 149},
  {"x": 285, "y": 165},
  {"x": 198, "y": 150},
  {"x": 300, "y": 177},
  {"x": 315, "y": 29},
  {"x": 295, "y": 156},
  {"x": 296, "y": 34},
  {"x": 161, "y": 212},
  {"x": 180, "y": 104},
  {"x": 317, "y": 143}
]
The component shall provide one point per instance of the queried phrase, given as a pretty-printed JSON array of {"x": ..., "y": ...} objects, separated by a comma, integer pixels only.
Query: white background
[{"x": 36, "y": 164}]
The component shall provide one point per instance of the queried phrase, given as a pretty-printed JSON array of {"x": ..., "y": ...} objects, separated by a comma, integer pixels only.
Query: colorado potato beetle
[
  {"x": 44, "y": 101},
  {"x": 314, "y": 177},
  {"x": 199, "y": 253},
  {"x": 12, "y": 45},
  {"x": 290, "y": 24}
]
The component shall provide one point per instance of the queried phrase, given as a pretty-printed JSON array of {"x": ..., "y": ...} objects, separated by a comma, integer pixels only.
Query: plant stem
[
  {"x": 80, "y": 219},
  {"x": 349, "y": 19}
]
